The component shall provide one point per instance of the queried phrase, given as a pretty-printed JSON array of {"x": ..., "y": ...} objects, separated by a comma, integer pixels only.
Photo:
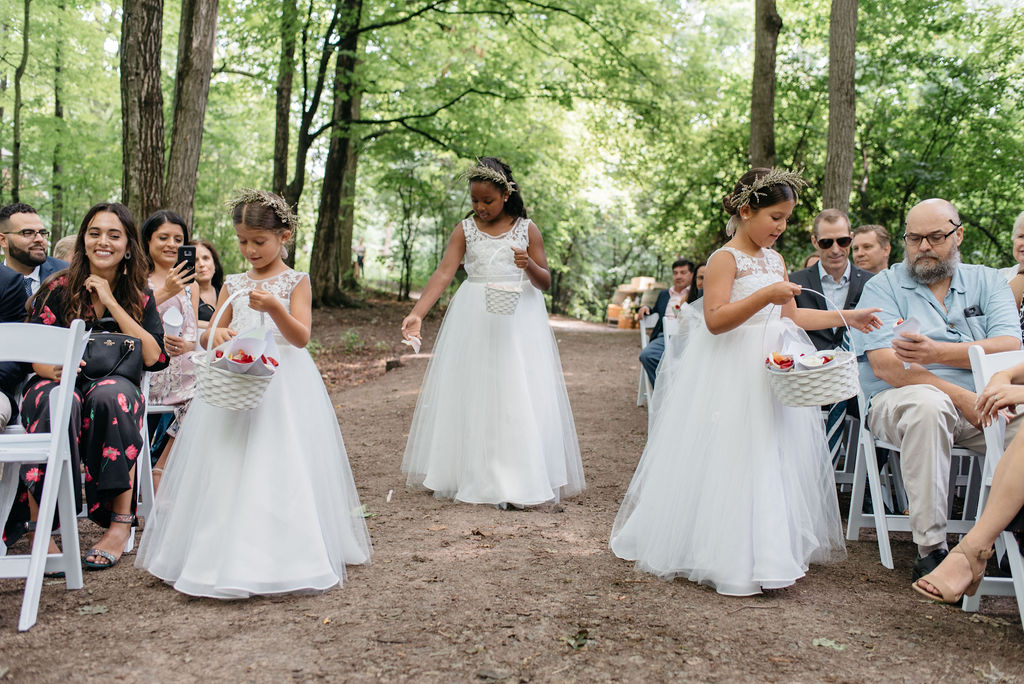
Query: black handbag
[{"x": 112, "y": 353}]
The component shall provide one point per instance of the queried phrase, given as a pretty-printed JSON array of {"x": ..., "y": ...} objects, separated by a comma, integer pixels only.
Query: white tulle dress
[
  {"x": 733, "y": 490},
  {"x": 260, "y": 501},
  {"x": 493, "y": 423}
]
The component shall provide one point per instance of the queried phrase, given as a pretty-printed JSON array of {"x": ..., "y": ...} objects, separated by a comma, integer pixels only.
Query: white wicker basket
[
  {"x": 817, "y": 386},
  {"x": 828, "y": 384},
  {"x": 224, "y": 388},
  {"x": 503, "y": 299}
]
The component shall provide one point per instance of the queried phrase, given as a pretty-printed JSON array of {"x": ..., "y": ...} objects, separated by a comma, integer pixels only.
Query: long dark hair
[
  {"x": 218, "y": 271},
  {"x": 694, "y": 293},
  {"x": 514, "y": 206},
  {"x": 151, "y": 225},
  {"x": 130, "y": 286}
]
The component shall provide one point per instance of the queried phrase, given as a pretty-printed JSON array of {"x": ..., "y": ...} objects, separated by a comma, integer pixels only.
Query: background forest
[{"x": 624, "y": 121}]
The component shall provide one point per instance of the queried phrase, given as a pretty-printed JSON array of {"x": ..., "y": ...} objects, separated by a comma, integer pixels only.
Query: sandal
[
  {"x": 30, "y": 527},
  {"x": 977, "y": 559},
  {"x": 123, "y": 518}
]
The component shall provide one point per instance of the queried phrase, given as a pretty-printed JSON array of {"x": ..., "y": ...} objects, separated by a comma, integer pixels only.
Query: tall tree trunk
[
  {"x": 191, "y": 91},
  {"x": 283, "y": 94},
  {"x": 142, "y": 107},
  {"x": 767, "y": 24},
  {"x": 19, "y": 73},
  {"x": 331, "y": 253},
  {"x": 57, "y": 219},
  {"x": 842, "y": 119}
]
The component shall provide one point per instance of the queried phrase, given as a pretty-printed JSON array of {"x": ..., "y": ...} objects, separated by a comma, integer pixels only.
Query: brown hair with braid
[{"x": 130, "y": 286}]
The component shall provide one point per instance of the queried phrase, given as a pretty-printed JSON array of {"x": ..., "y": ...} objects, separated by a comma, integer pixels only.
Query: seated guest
[
  {"x": 24, "y": 241},
  {"x": 871, "y": 248},
  {"x": 12, "y": 310},
  {"x": 107, "y": 280},
  {"x": 697, "y": 288},
  {"x": 962, "y": 570},
  {"x": 209, "y": 277},
  {"x": 833, "y": 275},
  {"x": 665, "y": 307},
  {"x": 64, "y": 247},
  {"x": 162, "y": 234},
  {"x": 1015, "y": 274},
  {"x": 919, "y": 386}
]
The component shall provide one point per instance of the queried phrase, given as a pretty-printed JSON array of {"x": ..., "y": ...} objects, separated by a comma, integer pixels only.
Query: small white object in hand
[{"x": 415, "y": 343}]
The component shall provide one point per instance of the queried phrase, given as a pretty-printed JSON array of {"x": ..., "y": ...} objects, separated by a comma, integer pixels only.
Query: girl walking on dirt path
[
  {"x": 260, "y": 501},
  {"x": 493, "y": 424},
  {"x": 734, "y": 489}
]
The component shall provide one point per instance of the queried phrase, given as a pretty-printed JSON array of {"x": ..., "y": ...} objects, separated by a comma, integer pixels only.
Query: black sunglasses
[{"x": 826, "y": 243}]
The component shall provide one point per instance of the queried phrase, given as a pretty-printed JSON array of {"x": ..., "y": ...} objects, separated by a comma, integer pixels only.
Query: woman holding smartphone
[{"x": 171, "y": 276}]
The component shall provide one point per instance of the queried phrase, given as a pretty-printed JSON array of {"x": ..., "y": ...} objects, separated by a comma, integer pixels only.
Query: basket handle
[
  {"x": 828, "y": 301},
  {"x": 216, "y": 319}
]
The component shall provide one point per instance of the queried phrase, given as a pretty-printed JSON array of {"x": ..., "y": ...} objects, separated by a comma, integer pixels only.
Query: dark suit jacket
[
  {"x": 809, "y": 277},
  {"x": 51, "y": 266},
  {"x": 12, "y": 310},
  {"x": 659, "y": 308}
]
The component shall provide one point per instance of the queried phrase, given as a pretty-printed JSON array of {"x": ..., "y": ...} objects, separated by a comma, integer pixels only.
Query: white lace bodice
[
  {"x": 281, "y": 286},
  {"x": 487, "y": 255},
  {"x": 754, "y": 273}
]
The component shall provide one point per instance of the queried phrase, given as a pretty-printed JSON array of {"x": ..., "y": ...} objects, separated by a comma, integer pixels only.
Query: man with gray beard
[{"x": 919, "y": 387}]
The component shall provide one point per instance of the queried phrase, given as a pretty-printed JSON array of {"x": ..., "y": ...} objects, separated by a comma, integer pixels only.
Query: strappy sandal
[
  {"x": 123, "y": 518},
  {"x": 30, "y": 527},
  {"x": 977, "y": 559}
]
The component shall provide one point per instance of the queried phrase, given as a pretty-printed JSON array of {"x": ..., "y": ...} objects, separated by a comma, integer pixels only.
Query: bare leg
[
  {"x": 1005, "y": 500},
  {"x": 33, "y": 515},
  {"x": 161, "y": 463},
  {"x": 116, "y": 537}
]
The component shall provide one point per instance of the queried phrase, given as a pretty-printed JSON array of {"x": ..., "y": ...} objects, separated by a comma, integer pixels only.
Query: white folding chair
[
  {"x": 34, "y": 343},
  {"x": 984, "y": 366},
  {"x": 146, "y": 494},
  {"x": 866, "y": 469},
  {"x": 644, "y": 389}
]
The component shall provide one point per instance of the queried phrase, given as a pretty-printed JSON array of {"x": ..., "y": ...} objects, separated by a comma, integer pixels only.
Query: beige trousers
[{"x": 923, "y": 421}]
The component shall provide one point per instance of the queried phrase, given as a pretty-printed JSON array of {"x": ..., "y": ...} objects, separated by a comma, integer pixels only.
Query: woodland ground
[{"x": 472, "y": 593}]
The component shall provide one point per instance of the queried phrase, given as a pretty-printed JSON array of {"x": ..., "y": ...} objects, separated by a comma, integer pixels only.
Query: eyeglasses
[
  {"x": 28, "y": 233},
  {"x": 826, "y": 243},
  {"x": 934, "y": 239}
]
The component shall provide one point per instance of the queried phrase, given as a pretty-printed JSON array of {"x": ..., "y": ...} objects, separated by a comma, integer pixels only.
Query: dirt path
[{"x": 471, "y": 593}]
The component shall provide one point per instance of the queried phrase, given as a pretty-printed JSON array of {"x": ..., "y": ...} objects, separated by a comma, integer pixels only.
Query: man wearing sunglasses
[
  {"x": 833, "y": 275},
  {"x": 919, "y": 386},
  {"x": 25, "y": 242}
]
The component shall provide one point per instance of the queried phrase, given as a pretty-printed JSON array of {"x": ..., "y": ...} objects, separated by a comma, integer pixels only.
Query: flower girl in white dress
[
  {"x": 734, "y": 489},
  {"x": 493, "y": 423},
  {"x": 260, "y": 501}
]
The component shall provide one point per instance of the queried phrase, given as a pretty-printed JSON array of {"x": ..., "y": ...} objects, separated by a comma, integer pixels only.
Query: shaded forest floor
[{"x": 472, "y": 593}]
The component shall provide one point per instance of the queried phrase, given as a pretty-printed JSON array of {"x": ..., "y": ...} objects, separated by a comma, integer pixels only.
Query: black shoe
[{"x": 922, "y": 566}]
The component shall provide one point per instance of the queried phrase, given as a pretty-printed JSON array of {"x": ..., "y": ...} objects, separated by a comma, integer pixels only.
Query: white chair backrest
[
  {"x": 983, "y": 367},
  {"x": 647, "y": 324}
]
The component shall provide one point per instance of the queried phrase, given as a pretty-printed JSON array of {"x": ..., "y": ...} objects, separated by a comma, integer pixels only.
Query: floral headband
[
  {"x": 478, "y": 172},
  {"x": 266, "y": 199},
  {"x": 773, "y": 177}
]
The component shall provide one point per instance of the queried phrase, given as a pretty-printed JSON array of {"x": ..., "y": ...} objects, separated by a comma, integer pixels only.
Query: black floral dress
[{"x": 107, "y": 418}]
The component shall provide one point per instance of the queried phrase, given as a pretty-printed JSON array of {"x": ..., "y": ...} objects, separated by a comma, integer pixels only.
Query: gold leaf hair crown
[
  {"x": 479, "y": 172},
  {"x": 266, "y": 199},
  {"x": 774, "y": 177}
]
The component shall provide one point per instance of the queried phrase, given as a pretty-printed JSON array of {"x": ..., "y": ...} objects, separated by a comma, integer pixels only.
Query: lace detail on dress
[
  {"x": 487, "y": 255},
  {"x": 281, "y": 286},
  {"x": 754, "y": 273}
]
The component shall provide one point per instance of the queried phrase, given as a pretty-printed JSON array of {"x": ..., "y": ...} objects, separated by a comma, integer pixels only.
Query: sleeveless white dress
[
  {"x": 260, "y": 501},
  {"x": 493, "y": 423},
  {"x": 733, "y": 490}
]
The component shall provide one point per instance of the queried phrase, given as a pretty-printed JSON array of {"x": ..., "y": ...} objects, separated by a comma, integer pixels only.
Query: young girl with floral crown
[
  {"x": 493, "y": 423},
  {"x": 260, "y": 501},
  {"x": 748, "y": 501}
]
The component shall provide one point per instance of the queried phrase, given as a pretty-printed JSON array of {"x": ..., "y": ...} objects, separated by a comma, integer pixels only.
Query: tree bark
[
  {"x": 142, "y": 102},
  {"x": 19, "y": 73},
  {"x": 842, "y": 119},
  {"x": 57, "y": 217},
  {"x": 191, "y": 91},
  {"x": 767, "y": 24},
  {"x": 332, "y": 252},
  {"x": 283, "y": 93}
]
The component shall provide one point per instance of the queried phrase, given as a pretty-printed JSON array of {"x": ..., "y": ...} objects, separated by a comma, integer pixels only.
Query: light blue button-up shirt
[
  {"x": 979, "y": 305},
  {"x": 836, "y": 292}
]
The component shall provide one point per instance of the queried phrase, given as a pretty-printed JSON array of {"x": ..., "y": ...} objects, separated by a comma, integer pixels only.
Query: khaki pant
[{"x": 925, "y": 424}]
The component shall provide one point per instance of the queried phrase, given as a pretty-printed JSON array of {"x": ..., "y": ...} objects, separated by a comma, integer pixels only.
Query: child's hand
[
  {"x": 411, "y": 327},
  {"x": 263, "y": 301},
  {"x": 782, "y": 292},
  {"x": 520, "y": 257},
  {"x": 222, "y": 335},
  {"x": 863, "y": 320}
]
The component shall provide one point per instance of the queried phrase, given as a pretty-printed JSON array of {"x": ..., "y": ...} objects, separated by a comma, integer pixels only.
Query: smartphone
[{"x": 187, "y": 254}]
